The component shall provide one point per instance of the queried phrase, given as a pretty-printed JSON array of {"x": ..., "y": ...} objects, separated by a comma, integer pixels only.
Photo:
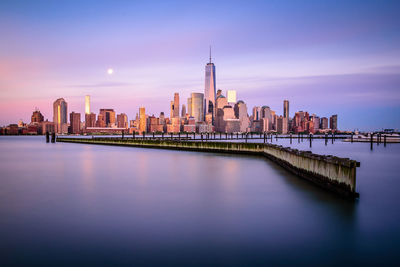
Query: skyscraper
[
  {"x": 231, "y": 95},
  {"x": 75, "y": 122},
  {"x": 60, "y": 111},
  {"x": 90, "y": 120},
  {"x": 176, "y": 105},
  {"x": 87, "y": 104},
  {"x": 189, "y": 106},
  {"x": 122, "y": 120},
  {"x": 324, "y": 123},
  {"x": 286, "y": 108},
  {"x": 183, "y": 114},
  {"x": 197, "y": 111},
  {"x": 108, "y": 116},
  {"x": 210, "y": 89},
  {"x": 142, "y": 120},
  {"x": 333, "y": 122},
  {"x": 256, "y": 113},
  {"x": 37, "y": 117},
  {"x": 241, "y": 113}
]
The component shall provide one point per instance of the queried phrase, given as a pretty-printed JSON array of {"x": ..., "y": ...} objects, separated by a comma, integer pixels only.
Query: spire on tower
[{"x": 210, "y": 53}]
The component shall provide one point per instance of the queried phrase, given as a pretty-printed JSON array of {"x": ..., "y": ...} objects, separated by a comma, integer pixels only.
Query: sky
[{"x": 325, "y": 57}]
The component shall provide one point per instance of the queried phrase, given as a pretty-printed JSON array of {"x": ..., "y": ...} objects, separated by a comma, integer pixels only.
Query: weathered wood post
[
  {"x": 310, "y": 140},
  {"x": 53, "y": 137},
  {"x": 47, "y": 137},
  {"x": 384, "y": 140},
  {"x": 162, "y": 135},
  {"x": 290, "y": 138},
  {"x": 264, "y": 137},
  {"x": 172, "y": 135},
  {"x": 276, "y": 136},
  {"x": 179, "y": 136},
  {"x": 246, "y": 137},
  {"x": 333, "y": 137},
  {"x": 298, "y": 138},
  {"x": 351, "y": 137},
  {"x": 194, "y": 136},
  {"x": 326, "y": 139},
  {"x": 226, "y": 135},
  {"x": 201, "y": 137},
  {"x": 144, "y": 135},
  {"x": 372, "y": 140},
  {"x": 153, "y": 135}
]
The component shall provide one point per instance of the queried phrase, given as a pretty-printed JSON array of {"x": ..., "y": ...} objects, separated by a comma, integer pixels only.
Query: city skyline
[{"x": 345, "y": 63}]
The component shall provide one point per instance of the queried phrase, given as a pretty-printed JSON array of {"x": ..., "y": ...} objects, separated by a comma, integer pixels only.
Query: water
[{"x": 76, "y": 204}]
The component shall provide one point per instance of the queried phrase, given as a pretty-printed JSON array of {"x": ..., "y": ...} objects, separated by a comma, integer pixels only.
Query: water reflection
[{"x": 133, "y": 206}]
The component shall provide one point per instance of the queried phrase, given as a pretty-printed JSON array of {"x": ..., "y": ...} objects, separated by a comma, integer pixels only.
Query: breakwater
[{"x": 332, "y": 173}]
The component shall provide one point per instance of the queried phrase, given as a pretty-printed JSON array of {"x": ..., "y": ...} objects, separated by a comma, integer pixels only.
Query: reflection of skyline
[
  {"x": 267, "y": 52},
  {"x": 88, "y": 177}
]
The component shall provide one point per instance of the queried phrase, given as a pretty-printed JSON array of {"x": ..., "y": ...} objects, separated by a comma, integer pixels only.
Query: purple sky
[{"x": 326, "y": 57}]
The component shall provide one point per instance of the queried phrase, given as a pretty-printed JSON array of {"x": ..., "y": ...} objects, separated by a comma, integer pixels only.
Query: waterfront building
[
  {"x": 60, "y": 111},
  {"x": 209, "y": 90},
  {"x": 204, "y": 127},
  {"x": 266, "y": 118},
  {"x": 90, "y": 120},
  {"x": 333, "y": 122},
  {"x": 174, "y": 126},
  {"x": 282, "y": 125},
  {"x": 142, "y": 120},
  {"x": 122, "y": 121},
  {"x": 37, "y": 117},
  {"x": 108, "y": 117},
  {"x": 316, "y": 121},
  {"x": 324, "y": 123},
  {"x": 190, "y": 127},
  {"x": 197, "y": 106},
  {"x": 286, "y": 109},
  {"x": 309, "y": 127},
  {"x": 101, "y": 123},
  {"x": 240, "y": 110},
  {"x": 46, "y": 126},
  {"x": 87, "y": 104},
  {"x": 75, "y": 122}
]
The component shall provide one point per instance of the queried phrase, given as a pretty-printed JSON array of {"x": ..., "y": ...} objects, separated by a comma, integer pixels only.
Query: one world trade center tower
[{"x": 209, "y": 91}]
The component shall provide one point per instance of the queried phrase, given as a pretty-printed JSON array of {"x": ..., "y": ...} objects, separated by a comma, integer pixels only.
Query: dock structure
[{"x": 335, "y": 174}]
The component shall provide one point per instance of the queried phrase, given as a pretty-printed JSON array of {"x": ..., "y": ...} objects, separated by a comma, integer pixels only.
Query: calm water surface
[{"x": 75, "y": 204}]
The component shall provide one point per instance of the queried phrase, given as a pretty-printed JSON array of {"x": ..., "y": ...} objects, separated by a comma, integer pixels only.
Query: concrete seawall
[{"x": 332, "y": 173}]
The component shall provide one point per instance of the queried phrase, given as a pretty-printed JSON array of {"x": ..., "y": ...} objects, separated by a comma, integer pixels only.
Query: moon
[{"x": 110, "y": 71}]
